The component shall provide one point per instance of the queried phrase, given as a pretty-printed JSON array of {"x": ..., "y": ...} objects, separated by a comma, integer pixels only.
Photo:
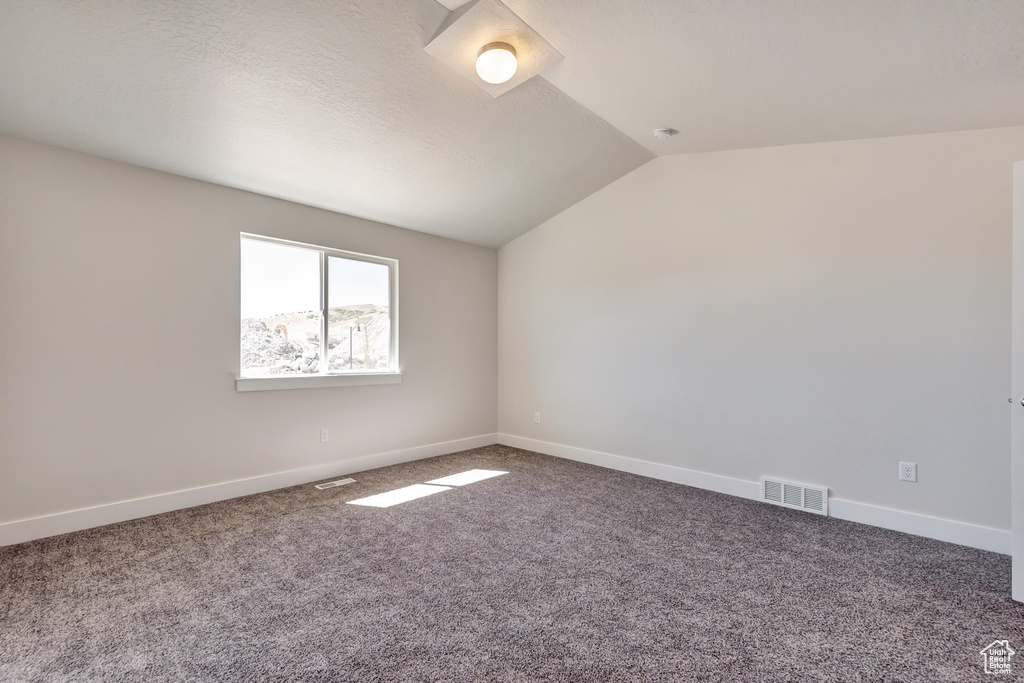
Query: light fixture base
[{"x": 497, "y": 46}]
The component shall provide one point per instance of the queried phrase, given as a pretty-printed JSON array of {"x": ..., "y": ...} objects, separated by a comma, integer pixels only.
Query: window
[{"x": 312, "y": 313}]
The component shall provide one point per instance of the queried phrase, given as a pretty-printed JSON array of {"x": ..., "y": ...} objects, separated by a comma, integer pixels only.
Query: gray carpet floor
[{"x": 557, "y": 571}]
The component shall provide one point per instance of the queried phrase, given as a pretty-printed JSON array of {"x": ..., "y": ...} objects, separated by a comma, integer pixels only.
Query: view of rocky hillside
[{"x": 289, "y": 344}]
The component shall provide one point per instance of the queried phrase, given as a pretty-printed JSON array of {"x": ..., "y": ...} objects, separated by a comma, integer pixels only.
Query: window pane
[
  {"x": 280, "y": 310},
  {"x": 359, "y": 322}
]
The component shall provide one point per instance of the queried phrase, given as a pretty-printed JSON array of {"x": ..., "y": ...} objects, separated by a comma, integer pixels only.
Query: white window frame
[{"x": 328, "y": 378}]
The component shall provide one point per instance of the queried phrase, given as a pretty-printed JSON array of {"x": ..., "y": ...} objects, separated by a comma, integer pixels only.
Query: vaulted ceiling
[{"x": 335, "y": 104}]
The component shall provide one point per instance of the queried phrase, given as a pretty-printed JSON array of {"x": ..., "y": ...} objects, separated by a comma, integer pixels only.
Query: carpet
[{"x": 556, "y": 571}]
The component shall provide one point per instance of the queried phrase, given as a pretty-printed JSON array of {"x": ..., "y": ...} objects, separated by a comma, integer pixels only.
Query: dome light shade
[{"x": 496, "y": 63}]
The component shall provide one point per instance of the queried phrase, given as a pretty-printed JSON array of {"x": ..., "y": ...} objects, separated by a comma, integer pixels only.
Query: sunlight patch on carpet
[
  {"x": 467, "y": 477},
  {"x": 402, "y": 495}
]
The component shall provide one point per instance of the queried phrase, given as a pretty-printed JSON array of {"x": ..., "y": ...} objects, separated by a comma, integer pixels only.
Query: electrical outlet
[
  {"x": 325, "y": 434},
  {"x": 536, "y": 418},
  {"x": 908, "y": 471}
]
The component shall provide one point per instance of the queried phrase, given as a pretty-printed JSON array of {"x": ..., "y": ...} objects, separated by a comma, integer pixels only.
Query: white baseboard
[
  {"x": 24, "y": 530},
  {"x": 677, "y": 475},
  {"x": 961, "y": 533}
]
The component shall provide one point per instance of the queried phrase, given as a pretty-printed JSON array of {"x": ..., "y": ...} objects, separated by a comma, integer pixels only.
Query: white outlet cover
[
  {"x": 325, "y": 434},
  {"x": 908, "y": 471}
]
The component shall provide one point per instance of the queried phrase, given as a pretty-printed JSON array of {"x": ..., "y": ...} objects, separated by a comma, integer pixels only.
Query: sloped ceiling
[
  {"x": 331, "y": 104},
  {"x": 335, "y": 104},
  {"x": 734, "y": 74}
]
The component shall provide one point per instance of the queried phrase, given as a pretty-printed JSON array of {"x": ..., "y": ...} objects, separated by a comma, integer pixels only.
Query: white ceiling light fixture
[
  {"x": 512, "y": 53},
  {"x": 665, "y": 133},
  {"x": 496, "y": 63}
]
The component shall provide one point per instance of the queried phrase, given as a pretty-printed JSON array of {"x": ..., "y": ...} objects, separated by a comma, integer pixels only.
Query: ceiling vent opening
[
  {"x": 796, "y": 496},
  {"x": 332, "y": 484}
]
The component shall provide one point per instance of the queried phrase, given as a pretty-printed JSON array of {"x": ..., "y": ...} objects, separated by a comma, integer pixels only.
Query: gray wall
[
  {"x": 120, "y": 340},
  {"x": 815, "y": 312}
]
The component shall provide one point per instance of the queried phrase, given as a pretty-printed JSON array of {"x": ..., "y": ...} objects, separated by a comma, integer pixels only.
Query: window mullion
[{"x": 324, "y": 365}]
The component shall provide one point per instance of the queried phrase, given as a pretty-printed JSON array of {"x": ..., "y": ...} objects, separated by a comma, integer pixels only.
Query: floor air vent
[
  {"x": 332, "y": 484},
  {"x": 797, "y": 496}
]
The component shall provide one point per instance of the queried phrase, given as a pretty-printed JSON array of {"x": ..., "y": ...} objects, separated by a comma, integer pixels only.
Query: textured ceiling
[
  {"x": 327, "y": 103},
  {"x": 751, "y": 73},
  {"x": 336, "y": 104}
]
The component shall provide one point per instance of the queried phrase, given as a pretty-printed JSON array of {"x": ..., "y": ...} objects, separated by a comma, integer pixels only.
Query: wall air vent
[
  {"x": 332, "y": 484},
  {"x": 797, "y": 496}
]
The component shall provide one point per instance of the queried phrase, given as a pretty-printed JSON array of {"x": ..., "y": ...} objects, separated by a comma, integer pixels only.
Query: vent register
[
  {"x": 796, "y": 496},
  {"x": 332, "y": 484}
]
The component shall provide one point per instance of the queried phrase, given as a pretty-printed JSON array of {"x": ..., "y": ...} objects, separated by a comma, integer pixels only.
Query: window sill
[{"x": 316, "y": 381}]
